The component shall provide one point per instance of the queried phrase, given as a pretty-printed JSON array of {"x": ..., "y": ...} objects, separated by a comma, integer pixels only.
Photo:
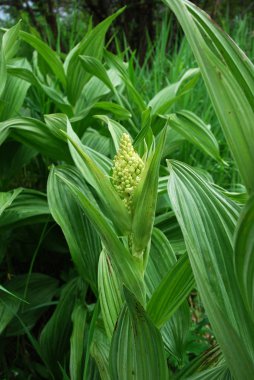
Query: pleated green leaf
[
  {"x": 100, "y": 352},
  {"x": 7, "y": 51},
  {"x": 82, "y": 239},
  {"x": 146, "y": 131},
  {"x": 219, "y": 372},
  {"x": 190, "y": 126},
  {"x": 29, "y": 206},
  {"x": 244, "y": 254},
  {"x": 49, "y": 55},
  {"x": 161, "y": 259},
  {"x": 91, "y": 45},
  {"x": 35, "y": 134},
  {"x": 28, "y": 75},
  {"x": 93, "y": 66},
  {"x": 171, "y": 293},
  {"x": 118, "y": 111},
  {"x": 13, "y": 157},
  {"x": 10, "y": 42},
  {"x": 136, "y": 349},
  {"x": 175, "y": 333},
  {"x": 116, "y": 129},
  {"x": 116, "y": 63},
  {"x": 55, "y": 337},
  {"x": 144, "y": 199},
  {"x": 109, "y": 293},
  {"x": 128, "y": 267},
  {"x": 78, "y": 317},
  {"x": 229, "y": 78},
  {"x": 8, "y": 309},
  {"x": 108, "y": 195},
  {"x": 13, "y": 96},
  {"x": 3, "y": 73},
  {"x": 37, "y": 290},
  {"x": 207, "y": 220},
  {"x": 162, "y": 101},
  {"x": 6, "y": 198}
]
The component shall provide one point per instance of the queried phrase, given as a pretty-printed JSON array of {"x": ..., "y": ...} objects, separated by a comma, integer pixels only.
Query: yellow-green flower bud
[{"x": 126, "y": 170}]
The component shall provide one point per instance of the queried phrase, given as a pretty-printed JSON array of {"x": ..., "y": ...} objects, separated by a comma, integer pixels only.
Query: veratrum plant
[{"x": 126, "y": 246}]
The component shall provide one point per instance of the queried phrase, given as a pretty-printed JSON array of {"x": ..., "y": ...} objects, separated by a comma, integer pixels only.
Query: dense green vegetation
[{"x": 126, "y": 202}]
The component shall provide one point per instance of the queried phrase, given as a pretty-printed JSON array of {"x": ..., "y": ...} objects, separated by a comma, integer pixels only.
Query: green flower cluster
[{"x": 126, "y": 170}]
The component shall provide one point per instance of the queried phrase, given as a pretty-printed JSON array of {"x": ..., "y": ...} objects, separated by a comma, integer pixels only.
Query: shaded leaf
[{"x": 136, "y": 349}]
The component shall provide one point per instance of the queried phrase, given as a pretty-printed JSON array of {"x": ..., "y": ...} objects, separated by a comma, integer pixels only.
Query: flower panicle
[{"x": 127, "y": 169}]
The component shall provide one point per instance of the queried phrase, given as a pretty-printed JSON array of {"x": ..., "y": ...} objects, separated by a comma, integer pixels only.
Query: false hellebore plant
[{"x": 123, "y": 213}]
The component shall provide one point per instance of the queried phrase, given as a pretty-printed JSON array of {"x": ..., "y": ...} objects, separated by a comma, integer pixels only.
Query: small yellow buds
[{"x": 126, "y": 170}]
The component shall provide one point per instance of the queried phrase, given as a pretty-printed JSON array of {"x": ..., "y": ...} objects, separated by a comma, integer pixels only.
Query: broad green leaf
[
  {"x": 207, "y": 220},
  {"x": 144, "y": 199},
  {"x": 8, "y": 49},
  {"x": 3, "y": 73},
  {"x": 145, "y": 127},
  {"x": 116, "y": 129},
  {"x": 28, "y": 206},
  {"x": 13, "y": 157},
  {"x": 92, "y": 92},
  {"x": 239, "y": 195},
  {"x": 10, "y": 42},
  {"x": 115, "y": 62},
  {"x": 35, "y": 134},
  {"x": 7, "y": 198},
  {"x": 100, "y": 352},
  {"x": 8, "y": 308},
  {"x": 128, "y": 267},
  {"x": 196, "y": 131},
  {"x": 56, "y": 123},
  {"x": 109, "y": 293},
  {"x": 219, "y": 372},
  {"x": 239, "y": 64},
  {"x": 244, "y": 254},
  {"x": 49, "y": 55},
  {"x": 78, "y": 317},
  {"x": 108, "y": 195},
  {"x": 136, "y": 349},
  {"x": 161, "y": 259},
  {"x": 99, "y": 143},
  {"x": 118, "y": 111},
  {"x": 93, "y": 66},
  {"x": 28, "y": 75},
  {"x": 14, "y": 94},
  {"x": 175, "y": 333},
  {"x": 24, "y": 72},
  {"x": 55, "y": 337},
  {"x": 229, "y": 78},
  {"x": 82, "y": 239},
  {"x": 37, "y": 290},
  {"x": 171, "y": 293},
  {"x": 3, "y": 289},
  {"x": 90, "y": 334},
  {"x": 162, "y": 101},
  {"x": 210, "y": 358},
  {"x": 91, "y": 45}
]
